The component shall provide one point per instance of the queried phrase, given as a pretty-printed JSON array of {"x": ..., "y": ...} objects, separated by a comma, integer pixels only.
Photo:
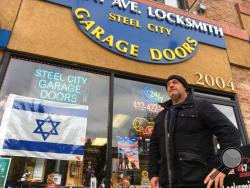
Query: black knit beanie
[{"x": 179, "y": 78}]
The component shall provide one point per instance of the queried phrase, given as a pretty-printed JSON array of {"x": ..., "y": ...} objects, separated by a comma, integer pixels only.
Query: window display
[
  {"x": 49, "y": 120},
  {"x": 54, "y": 127},
  {"x": 135, "y": 107}
]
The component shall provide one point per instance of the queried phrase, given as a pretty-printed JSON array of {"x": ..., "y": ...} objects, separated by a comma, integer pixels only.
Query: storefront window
[
  {"x": 135, "y": 106},
  {"x": 173, "y": 3},
  {"x": 61, "y": 143},
  {"x": 228, "y": 111},
  {"x": 225, "y": 105}
]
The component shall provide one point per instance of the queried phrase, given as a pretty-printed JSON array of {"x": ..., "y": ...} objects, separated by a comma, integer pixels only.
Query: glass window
[
  {"x": 226, "y": 105},
  {"x": 67, "y": 106},
  {"x": 172, "y": 3},
  {"x": 135, "y": 106},
  {"x": 205, "y": 95},
  {"x": 228, "y": 111}
]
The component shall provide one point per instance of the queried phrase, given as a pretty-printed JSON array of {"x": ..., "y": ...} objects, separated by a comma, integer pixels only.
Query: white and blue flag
[{"x": 43, "y": 129}]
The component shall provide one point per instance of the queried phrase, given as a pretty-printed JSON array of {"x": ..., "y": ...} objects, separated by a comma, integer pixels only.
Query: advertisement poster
[
  {"x": 128, "y": 153},
  {"x": 4, "y": 169}
]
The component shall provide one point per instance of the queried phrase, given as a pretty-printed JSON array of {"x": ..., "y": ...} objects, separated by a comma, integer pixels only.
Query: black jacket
[{"x": 190, "y": 142}]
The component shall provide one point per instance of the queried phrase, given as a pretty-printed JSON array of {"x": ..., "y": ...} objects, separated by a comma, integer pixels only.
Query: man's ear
[{"x": 188, "y": 91}]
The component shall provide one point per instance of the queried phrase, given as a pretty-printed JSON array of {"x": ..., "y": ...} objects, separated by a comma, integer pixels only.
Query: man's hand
[
  {"x": 154, "y": 182},
  {"x": 218, "y": 180}
]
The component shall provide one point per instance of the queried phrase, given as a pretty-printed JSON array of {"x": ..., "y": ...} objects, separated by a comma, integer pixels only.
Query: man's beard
[{"x": 176, "y": 96}]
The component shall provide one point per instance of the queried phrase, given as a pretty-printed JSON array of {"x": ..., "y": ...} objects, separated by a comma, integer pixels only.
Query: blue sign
[{"x": 141, "y": 32}]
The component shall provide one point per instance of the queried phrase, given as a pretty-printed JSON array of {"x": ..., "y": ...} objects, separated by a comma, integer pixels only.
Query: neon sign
[
  {"x": 59, "y": 87},
  {"x": 152, "y": 96},
  {"x": 148, "y": 100},
  {"x": 149, "y": 107},
  {"x": 143, "y": 126}
]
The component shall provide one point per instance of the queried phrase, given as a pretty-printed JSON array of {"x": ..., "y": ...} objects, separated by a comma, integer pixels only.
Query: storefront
[{"x": 107, "y": 63}]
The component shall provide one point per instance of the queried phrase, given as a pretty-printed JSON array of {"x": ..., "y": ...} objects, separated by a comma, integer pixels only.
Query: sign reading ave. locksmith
[{"x": 142, "y": 32}]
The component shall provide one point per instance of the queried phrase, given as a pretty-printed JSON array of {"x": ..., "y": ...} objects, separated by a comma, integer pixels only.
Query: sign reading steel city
[
  {"x": 141, "y": 32},
  {"x": 59, "y": 86}
]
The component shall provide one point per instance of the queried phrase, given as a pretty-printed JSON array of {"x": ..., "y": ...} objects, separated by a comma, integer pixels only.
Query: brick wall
[
  {"x": 242, "y": 81},
  {"x": 220, "y": 10}
]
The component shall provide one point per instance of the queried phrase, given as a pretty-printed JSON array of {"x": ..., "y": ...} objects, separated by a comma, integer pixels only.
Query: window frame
[
  {"x": 64, "y": 64},
  {"x": 181, "y": 4},
  {"x": 232, "y": 102}
]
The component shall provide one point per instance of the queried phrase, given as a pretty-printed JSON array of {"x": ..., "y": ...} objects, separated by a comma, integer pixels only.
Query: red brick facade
[
  {"x": 242, "y": 81},
  {"x": 221, "y": 10},
  {"x": 228, "y": 12}
]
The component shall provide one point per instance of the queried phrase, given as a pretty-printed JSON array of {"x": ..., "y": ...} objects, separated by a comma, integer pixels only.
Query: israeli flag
[{"x": 43, "y": 129}]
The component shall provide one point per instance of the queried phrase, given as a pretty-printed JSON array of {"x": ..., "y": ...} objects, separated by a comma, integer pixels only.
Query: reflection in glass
[
  {"x": 135, "y": 107},
  {"x": 228, "y": 111}
]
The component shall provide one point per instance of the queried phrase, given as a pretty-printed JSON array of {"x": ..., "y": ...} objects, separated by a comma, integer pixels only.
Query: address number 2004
[{"x": 211, "y": 81}]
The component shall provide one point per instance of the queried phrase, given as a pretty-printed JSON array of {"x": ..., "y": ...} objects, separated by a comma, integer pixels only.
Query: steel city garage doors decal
[{"x": 141, "y": 32}]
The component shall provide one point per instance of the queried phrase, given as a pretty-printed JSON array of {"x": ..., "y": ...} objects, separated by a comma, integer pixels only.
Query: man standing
[
  {"x": 120, "y": 159},
  {"x": 126, "y": 160},
  {"x": 185, "y": 157}
]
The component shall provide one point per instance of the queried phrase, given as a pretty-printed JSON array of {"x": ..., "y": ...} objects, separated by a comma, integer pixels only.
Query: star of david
[{"x": 46, "y": 134}]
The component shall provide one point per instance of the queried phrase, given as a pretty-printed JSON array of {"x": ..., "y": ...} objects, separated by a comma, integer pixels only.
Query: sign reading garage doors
[{"x": 142, "y": 32}]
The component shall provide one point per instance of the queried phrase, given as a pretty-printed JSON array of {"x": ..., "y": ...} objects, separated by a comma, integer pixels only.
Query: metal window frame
[
  {"x": 118, "y": 74},
  {"x": 234, "y": 103},
  {"x": 182, "y": 4}
]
